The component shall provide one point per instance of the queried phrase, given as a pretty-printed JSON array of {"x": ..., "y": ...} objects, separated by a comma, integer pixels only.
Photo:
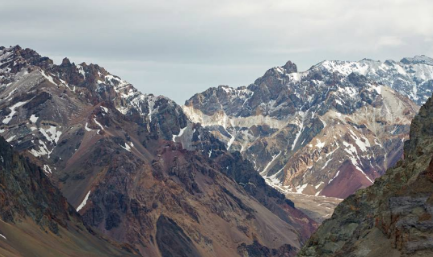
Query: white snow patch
[
  {"x": 87, "y": 128},
  {"x": 358, "y": 168},
  {"x": 350, "y": 149},
  {"x": 1, "y": 235},
  {"x": 326, "y": 163},
  {"x": 232, "y": 139},
  {"x": 43, "y": 150},
  {"x": 328, "y": 154},
  {"x": 47, "y": 169},
  {"x": 84, "y": 202},
  {"x": 361, "y": 144},
  {"x": 274, "y": 157},
  {"x": 273, "y": 180},
  {"x": 13, "y": 111},
  {"x": 127, "y": 147},
  {"x": 318, "y": 185},
  {"x": 320, "y": 144},
  {"x": 10, "y": 94},
  {"x": 99, "y": 124},
  {"x": 33, "y": 118},
  {"x": 105, "y": 109},
  {"x": 338, "y": 102},
  {"x": 180, "y": 134},
  {"x": 300, "y": 189},
  {"x": 51, "y": 133},
  {"x": 151, "y": 105},
  {"x": 10, "y": 139},
  {"x": 81, "y": 71},
  {"x": 301, "y": 129},
  {"x": 49, "y": 78},
  {"x": 378, "y": 89},
  {"x": 324, "y": 123},
  {"x": 336, "y": 175}
]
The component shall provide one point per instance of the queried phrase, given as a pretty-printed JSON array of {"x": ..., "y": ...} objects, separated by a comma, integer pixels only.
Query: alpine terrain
[
  {"x": 394, "y": 216},
  {"x": 138, "y": 170},
  {"x": 324, "y": 132}
]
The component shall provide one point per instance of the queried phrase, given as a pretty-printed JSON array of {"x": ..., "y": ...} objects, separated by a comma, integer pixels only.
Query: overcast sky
[{"x": 178, "y": 48}]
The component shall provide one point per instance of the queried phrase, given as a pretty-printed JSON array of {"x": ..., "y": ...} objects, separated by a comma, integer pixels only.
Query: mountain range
[
  {"x": 327, "y": 131},
  {"x": 393, "y": 217},
  {"x": 98, "y": 168},
  {"x": 136, "y": 168}
]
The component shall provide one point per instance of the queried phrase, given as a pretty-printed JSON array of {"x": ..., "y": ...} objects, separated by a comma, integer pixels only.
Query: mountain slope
[
  {"x": 136, "y": 168},
  {"x": 327, "y": 131},
  {"x": 412, "y": 77},
  {"x": 394, "y": 216},
  {"x": 35, "y": 212}
]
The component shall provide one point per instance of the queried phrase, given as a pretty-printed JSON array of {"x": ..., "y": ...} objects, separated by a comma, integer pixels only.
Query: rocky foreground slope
[
  {"x": 136, "y": 168},
  {"x": 327, "y": 131},
  {"x": 36, "y": 220},
  {"x": 394, "y": 216}
]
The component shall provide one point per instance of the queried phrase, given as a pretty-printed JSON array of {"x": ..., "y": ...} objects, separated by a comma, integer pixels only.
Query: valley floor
[{"x": 317, "y": 208}]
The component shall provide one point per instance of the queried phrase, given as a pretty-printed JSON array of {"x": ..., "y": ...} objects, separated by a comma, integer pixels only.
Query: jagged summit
[
  {"x": 135, "y": 167},
  {"x": 13, "y": 59},
  {"x": 411, "y": 76},
  {"x": 66, "y": 62},
  {"x": 326, "y": 131},
  {"x": 418, "y": 59},
  {"x": 290, "y": 67}
]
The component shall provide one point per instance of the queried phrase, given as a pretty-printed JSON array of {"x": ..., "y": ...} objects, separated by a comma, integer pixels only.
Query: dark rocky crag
[
  {"x": 394, "y": 216},
  {"x": 135, "y": 167},
  {"x": 31, "y": 205}
]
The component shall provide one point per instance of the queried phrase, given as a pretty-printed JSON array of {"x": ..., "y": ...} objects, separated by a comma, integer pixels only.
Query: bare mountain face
[
  {"x": 136, "y": 168},
  {"x": 327, "y": 131},
  {"x": 36, "y": 220},
  {"x": 412, "y": 77},
  {"x": 394, "y": 216}
]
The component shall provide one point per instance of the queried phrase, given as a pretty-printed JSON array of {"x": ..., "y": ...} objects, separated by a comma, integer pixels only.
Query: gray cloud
[{"x": 177, "y": 48}]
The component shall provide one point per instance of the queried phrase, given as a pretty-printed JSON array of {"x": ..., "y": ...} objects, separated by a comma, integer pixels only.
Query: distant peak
[
  {"x": 16, "y": 47},
  {"x": 369, "y": 60},
  {"x": 11, "y": 48},
  {"x": 417, "y": 59},
  {"x": 66, "y": 62},
  {"x": 226, "y": 88},
  {"x": 290, "y": 67}
]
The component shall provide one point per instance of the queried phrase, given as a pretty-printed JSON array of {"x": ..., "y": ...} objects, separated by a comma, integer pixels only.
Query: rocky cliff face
[
  {"x": 327, "y": 131},
  {"x": 136, "y": 168},
  {"x": 394, "y": 216},
  {"x": 412, "y": 77},
  {"x": 32, "y": 209}
]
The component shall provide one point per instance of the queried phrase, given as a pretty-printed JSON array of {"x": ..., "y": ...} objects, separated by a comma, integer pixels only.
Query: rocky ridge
[
  {"x": 411, "y": 76},
  {"x": 136, "y": 168},
  {"x": 393, "y": 217},
  {"x": 327, "y": 131}
]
